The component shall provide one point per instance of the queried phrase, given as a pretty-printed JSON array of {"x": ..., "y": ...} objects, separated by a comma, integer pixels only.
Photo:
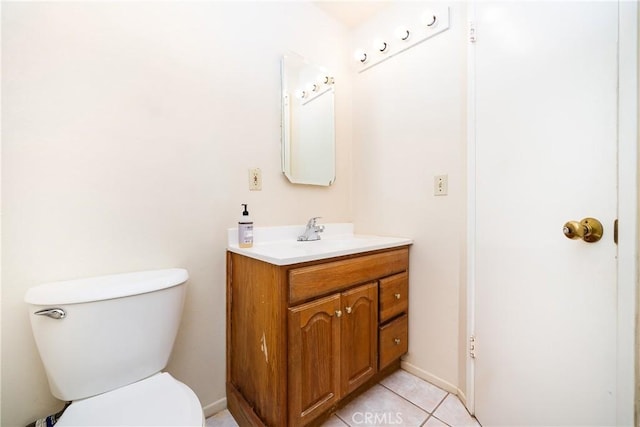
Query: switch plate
[
  {"x": 440, "y": 185},
  {"x": 255, "y": 179}
]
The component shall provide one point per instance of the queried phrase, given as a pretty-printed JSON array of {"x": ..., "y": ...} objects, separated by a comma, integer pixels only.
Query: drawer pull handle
[
  {"x": 397, "y": 296},
  {"x": 396, "y": 340},
  {"x": 338, "y": 313},
  {"x": 348, "y": 310}
]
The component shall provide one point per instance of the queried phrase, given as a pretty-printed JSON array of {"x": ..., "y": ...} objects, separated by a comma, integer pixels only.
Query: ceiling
[{"x": 352, "y": 13}]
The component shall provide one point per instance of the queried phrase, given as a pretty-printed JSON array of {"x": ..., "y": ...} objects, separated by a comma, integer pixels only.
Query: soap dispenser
[{"x": 245, "y": 229}]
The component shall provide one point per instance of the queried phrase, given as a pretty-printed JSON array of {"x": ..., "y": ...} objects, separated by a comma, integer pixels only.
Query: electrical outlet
[
  {"x": 440, "y": 185},
  {"x": 255, "y": 179}
]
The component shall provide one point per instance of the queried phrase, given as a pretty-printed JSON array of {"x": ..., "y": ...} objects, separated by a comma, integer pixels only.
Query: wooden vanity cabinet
[{"x": 301, "y": 338}]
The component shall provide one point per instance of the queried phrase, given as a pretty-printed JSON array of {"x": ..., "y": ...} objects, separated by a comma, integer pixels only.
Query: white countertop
[{"x": 279, "y": 245}]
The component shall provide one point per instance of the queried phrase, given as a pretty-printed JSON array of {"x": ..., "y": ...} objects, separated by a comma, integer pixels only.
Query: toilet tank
[{"x": 98, "y": 334}]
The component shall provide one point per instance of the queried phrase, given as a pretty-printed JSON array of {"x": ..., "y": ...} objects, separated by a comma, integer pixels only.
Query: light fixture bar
[{"x": 432, "y": 23}]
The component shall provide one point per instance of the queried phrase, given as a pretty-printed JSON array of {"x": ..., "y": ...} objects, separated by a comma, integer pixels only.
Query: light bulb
[
  {"x": 360, "y": 55},
  {"x": 313, "y": 87},
  {"x": 429, "y": 19},
  {"x": 402, "y": 33},
  {"x": 380, "y": 45},
  {"x": 301, "y": 94}
]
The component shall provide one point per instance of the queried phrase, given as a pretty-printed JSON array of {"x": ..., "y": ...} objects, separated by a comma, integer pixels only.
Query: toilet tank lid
[{"x": 105, "y": 287}]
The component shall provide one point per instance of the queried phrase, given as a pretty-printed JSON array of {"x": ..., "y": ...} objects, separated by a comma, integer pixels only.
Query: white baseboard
[
  {"x": 445, "y": 385},
  {"x": 215, "y": 407},
  {"x": 463, "y": 398}
]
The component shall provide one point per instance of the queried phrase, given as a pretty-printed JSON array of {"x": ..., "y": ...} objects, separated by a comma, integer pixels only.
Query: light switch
[{"x": 255, "y": 179}]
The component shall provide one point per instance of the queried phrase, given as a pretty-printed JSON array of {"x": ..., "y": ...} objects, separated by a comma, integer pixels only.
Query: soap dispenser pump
[{"x": 245, "y": 229}]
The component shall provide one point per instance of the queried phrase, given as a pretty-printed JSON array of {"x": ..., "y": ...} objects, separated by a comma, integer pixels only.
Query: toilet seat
[{"x": 159, "y": 400}]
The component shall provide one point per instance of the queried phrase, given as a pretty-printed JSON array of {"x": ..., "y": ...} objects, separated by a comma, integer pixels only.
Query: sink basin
[{"x": 279, "y": 245}]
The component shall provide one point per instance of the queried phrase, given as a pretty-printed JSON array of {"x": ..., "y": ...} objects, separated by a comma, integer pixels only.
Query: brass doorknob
[{"x": 589, "y": 230}]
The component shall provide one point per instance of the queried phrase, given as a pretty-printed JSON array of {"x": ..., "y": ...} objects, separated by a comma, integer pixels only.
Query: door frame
[{"x": 628, "y": 187}]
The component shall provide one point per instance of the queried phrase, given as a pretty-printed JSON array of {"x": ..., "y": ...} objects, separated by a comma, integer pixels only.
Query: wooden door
[
  {"x": 314, "y": 358},
  {"x": 359, "y": 336}
]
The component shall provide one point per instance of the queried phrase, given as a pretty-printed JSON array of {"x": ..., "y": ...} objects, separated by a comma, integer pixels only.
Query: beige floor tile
[
  {"x": 381, "y": 407},
  {"x": 221, "y": 419},
  {"x": 453, "y": 412},
  {"x": 416, "y": 390},
  {"x": 434, "y": 422},
  {"x": 334, "y": 422}
]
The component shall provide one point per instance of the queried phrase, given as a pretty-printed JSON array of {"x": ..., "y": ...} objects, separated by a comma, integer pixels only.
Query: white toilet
[{"x": 103, "y": 342}]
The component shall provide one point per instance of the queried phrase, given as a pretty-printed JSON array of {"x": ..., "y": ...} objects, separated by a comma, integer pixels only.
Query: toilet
[{"x": 104, "y": 342}]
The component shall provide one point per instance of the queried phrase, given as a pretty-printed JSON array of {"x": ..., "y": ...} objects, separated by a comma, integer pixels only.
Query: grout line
[
  {"x": 407, "y": 400},
  {"x": 441, "y": 421},
  {"x": 420, "y": 407},
  {"x": 338, "y": 417},
  {"x": 434, "y": 417},
  {"x": 439, "y": 404}
]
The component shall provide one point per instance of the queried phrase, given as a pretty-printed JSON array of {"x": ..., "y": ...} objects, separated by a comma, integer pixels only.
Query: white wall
[
  {"x": 637, "y": 352},
  {"x": 128, "y": 129},
  {"x": 409, "y": 125}
]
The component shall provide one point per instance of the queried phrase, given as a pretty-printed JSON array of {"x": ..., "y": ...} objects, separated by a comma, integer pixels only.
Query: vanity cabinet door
[
  {"x": 359, "y": 336},
  {"x": 314, "y": 358}
]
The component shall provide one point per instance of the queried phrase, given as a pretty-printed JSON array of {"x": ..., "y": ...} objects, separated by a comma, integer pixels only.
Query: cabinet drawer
[
  {"x": 394, "y": 341},
  {"x": 321, "y": 279},
  {"x": 394, "y": 293}
]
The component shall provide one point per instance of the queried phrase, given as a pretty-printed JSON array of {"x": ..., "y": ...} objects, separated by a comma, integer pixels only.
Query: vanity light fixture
[
  {"x": 360, "y": 55},
  {"x": 381, "y": 46},
  {"x": 410, "y": 32},
  {"x": 403, "y": 33},
  {"x": 429, "y": 19}
]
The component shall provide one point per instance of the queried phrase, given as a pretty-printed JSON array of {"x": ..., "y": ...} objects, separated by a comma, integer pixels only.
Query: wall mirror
[{"x": 308, "y": 122}]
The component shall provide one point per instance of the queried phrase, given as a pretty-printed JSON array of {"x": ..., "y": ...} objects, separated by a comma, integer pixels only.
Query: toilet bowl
[
  {"x": 159, "y": 400},
  {"x": 104, "y": 341}
]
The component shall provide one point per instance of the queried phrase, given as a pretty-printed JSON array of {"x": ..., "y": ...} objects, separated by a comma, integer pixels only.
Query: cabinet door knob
[
  {"x": 338, "y": 313},
  {"x": 348, "y": 310},
  {"x": 396, "y": 340},
  {"x": 397, "y": 296}
]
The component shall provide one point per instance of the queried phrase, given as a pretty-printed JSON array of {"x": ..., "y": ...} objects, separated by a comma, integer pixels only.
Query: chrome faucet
[{"x": 312, "y": 230}]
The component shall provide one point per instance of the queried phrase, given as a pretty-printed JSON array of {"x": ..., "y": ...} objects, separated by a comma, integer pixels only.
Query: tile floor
[{"x": 400, "y": 400}]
